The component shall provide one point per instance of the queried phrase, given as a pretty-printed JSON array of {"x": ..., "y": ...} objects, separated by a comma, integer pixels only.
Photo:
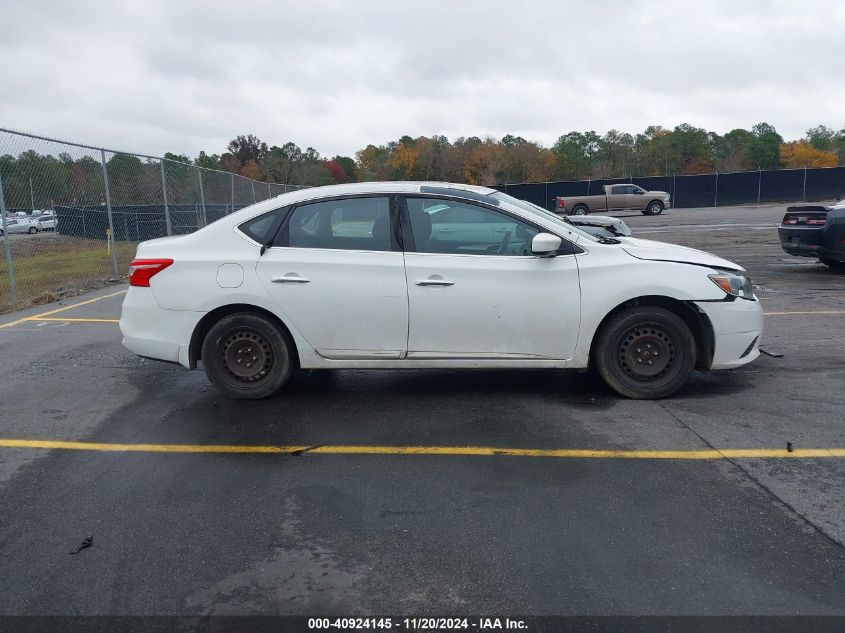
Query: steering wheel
[{"x": 505, "y": 241}]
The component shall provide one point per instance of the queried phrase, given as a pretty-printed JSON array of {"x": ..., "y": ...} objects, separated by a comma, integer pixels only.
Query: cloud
[{"x": 187, "y": 76}]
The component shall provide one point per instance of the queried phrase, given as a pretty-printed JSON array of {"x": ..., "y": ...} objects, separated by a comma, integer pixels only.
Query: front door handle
[
  {"x": 290, "y": 278},
  {"x": 435, "y": 282}
]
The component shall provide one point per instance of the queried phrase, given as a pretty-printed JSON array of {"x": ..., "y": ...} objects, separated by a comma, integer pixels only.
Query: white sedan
[
  {"x": 19, "y": 225},
  {"x": 431, "y": 275}
]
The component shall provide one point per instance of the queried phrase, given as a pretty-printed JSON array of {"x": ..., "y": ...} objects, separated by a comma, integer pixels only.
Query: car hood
[
  {"x": 605, "y": 221},
  {"x": 664, "y": 252}
]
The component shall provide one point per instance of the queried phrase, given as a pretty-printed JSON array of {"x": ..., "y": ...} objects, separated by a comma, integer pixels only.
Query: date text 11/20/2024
[{"x": 418, "y": 624}]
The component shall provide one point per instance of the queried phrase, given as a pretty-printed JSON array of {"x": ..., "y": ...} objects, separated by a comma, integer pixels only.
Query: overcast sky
[{"x": 173, "y": 75}]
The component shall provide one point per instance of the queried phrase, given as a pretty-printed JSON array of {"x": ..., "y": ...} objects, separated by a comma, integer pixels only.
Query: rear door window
[{"x": 361, "y": 224}]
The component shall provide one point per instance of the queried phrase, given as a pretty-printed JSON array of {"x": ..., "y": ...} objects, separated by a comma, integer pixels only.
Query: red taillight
[
  {"x": 787, "y": 219},
  {"x": 817, "y": 221},
  {"x": 141, "y": 270},
  {"x": 561, "y": 203}
]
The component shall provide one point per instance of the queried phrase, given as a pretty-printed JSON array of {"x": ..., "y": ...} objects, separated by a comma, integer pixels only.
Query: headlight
[{"x": 734, "y": 285}]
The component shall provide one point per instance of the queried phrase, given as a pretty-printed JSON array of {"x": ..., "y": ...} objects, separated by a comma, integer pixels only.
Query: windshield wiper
[{"x": 608, "y": 240}]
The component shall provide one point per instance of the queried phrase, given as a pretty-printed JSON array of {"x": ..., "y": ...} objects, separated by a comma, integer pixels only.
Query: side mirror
[
  {"x": 545, "y": 244},
  {"x": 639, "y": 192}
]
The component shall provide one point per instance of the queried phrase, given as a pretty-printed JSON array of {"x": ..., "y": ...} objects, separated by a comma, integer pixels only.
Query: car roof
[
  {"x": 357, "y": 188},
  {"x": 396, "y": 186}
]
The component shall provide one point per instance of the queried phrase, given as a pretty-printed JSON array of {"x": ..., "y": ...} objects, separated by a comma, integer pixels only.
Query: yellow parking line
[
  {"x": 62, "y": 309},
  {"x": 339, "y": 449},
  {"x": 805, "y": 312},
  {"x": 68, "y": 319}
]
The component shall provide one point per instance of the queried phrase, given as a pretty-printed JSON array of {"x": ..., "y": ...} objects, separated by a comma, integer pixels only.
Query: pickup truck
[{"x": 614, "y": 198}]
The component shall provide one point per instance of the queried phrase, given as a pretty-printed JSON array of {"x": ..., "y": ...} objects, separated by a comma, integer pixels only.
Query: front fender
[{"x": 604, "y": 288}]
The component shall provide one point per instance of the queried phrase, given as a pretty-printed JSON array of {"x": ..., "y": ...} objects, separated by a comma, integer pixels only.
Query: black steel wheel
[
  {"x": 645, "y": 352},
  {"x": 247, "y": 356}
]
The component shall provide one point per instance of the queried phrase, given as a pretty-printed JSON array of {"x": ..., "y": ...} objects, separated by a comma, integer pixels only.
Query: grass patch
[{"x": 49, "y": 266}]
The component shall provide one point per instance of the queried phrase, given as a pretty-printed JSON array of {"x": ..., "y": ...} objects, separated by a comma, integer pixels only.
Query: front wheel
[
  {"x": 654, "y": 208},
  {"x": 645, "y": 352},
  {"x": 246, "y": 356},
  {"x": 834, "y": 264},
  {"x": 32, "y": 230}
]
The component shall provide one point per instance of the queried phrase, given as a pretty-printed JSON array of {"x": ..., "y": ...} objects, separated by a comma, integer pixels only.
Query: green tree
[
  {"x": 764, "y": 150},
  {"x": 731, "y": 151},
  {"x": 821, "y": 137},
  {"x": 247, "y": 147},
  {"x": 574, "y": 153},
  {"x": 208, "y": 161}
]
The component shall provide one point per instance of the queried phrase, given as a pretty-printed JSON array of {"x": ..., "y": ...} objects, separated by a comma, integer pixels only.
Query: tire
[
  {"x": 655, "y": 207},
  {"x": 645, "y": 352},
  {"x": 580, "y": 210},
  {"x": 238, "y": 340},
  {"x": 32, "y": 230},
  {"x": 834, "y": 264}
]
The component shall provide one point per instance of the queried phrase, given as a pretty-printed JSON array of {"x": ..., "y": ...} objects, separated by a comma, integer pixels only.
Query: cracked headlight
[{"x": 734, "y": 285}]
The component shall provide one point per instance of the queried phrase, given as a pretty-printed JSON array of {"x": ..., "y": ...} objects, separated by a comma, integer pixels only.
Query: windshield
[{"x": 548, "y": 215}]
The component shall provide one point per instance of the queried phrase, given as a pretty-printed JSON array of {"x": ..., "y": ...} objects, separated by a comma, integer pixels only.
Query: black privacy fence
[
  {"x": 136, "y": 223},
  {"x": 704, "y": 190}
]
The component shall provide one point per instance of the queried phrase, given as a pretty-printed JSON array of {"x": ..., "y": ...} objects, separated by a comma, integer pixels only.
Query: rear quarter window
[{"x": 262, "y": 227}]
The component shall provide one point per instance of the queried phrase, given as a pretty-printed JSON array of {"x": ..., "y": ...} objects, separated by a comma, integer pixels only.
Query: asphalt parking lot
[{"x": 598, "y": 505}]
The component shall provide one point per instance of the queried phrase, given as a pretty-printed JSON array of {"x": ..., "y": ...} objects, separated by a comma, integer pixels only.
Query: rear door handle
[
  {"x": 445, "y": 230},
  {"x": 435, "y": 282},
  {"x": 290, "y": 278}
]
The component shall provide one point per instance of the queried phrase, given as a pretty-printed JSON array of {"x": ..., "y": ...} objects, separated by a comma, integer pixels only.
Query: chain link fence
[{"x": 72, "y": 214}]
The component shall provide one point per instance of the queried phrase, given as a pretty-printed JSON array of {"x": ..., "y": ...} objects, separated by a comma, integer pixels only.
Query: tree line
[
  {"x": 685, "y": 149},
  {"x": 43, "y": 179}
]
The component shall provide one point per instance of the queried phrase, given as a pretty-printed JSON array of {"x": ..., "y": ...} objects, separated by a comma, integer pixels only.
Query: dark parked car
[{"x": 815, "y": 231}]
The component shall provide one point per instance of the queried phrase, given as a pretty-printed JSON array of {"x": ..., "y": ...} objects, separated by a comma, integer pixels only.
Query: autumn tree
[
  {"x": 403, "y": 160},
  {"x": 348, "y": 165},
  {"x": 802, "y": 153},
  {"x": 484, "y": 163},
  {"x": 335, "y": 170}
]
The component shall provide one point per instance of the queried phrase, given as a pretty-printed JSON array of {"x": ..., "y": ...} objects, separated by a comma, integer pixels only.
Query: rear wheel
[
  {"x": 645, "y": 352},
  {"x": 835, "y": 265},
  {"x": 580, "y": 210},
  {"x": 655, "y": 207},
  {"x": 246, "y": 356}
]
